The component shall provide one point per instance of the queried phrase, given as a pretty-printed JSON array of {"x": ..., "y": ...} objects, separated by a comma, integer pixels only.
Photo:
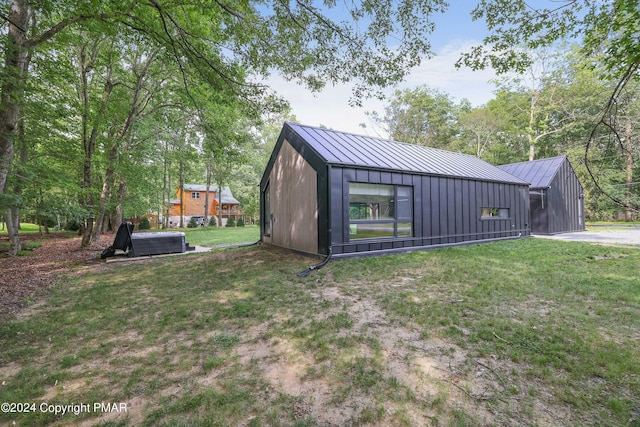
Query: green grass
[
  {"x": 525, "y": 332},
  {"x": 611, "y": 225},
  {"x": 211, "y": 236},
  {"x": 201, "y": 236},
  {"x": 25, "y": 227},
  {"x": 204, "y": 236},
  {"x": 28, "y": 228}
]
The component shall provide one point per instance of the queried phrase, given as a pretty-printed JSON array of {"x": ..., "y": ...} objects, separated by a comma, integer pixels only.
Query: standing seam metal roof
[
  {"x": 539, "y": 173},
  {"x": 341, "y": 148}
]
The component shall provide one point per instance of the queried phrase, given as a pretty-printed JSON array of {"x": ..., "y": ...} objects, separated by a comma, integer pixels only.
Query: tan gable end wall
[{"x": 294, "y": 202}]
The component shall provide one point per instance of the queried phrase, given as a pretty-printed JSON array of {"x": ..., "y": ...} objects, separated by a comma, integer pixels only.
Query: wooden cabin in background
[{"x": 194, "y": 196}]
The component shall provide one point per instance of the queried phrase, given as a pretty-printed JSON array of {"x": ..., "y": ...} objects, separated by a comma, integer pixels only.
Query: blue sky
[{"x": 455, "y": 33}]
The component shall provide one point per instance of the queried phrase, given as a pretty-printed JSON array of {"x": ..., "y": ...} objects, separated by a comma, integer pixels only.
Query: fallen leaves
[{"x": 23, "y": 278}]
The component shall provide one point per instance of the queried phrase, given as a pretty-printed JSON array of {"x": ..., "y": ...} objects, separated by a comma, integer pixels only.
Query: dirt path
[{"x": 23, "y": 278}]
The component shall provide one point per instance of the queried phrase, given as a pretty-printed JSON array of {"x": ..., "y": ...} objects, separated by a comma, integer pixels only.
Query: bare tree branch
[{"x": 631, "y": 71}]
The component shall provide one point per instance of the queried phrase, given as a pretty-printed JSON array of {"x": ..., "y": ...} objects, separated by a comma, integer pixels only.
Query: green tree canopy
[
  {"x": 216, "y": 49},
  {"x": 518, "y": 28},
  {"x": 607, "y": 32},
  {"x": 421, "y": 115}
]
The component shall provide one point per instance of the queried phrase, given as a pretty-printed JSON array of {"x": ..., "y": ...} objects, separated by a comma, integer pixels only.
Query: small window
[
  {"x": 494, "y": 213},
  {"x": 195, "y": 195}
]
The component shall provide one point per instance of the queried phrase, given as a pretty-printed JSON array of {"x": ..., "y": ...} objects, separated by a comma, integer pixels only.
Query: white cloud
[
  {"x": 331, "y": 107},
  {"x": 440, "y": 73}
]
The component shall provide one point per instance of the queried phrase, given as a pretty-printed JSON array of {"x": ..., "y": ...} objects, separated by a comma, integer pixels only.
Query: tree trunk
[
  {"x": 206, "y": 194},
  {"x": 181, "y": 194},
  {"x": 106, "y": 190},
  {"x": 12, "y": 90},
  {"x": 532, "y": 119},
  {"x": 628, "y": 214},
  {"x": 119, "y": 137},
  {"x": 12, "y": 230},
  {"x": 14, "y": 238},
  {"x": 165, "y": 187},
  {"x": 119, "y": 215},
  {"x": 532, "y": 147},
  {"x": 15, "y": 70},
  {"x": 91, "y": 229},
  {"x": 89, "y": 139},
  {"x": 219, "y": 195}
]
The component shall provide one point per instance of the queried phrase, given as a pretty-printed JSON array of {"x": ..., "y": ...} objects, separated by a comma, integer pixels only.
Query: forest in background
[{"x": 107, "y": 108}]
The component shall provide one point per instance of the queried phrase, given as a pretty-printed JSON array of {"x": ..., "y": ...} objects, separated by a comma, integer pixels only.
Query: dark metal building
[
  {"x": 324, "y": 190},
  {"x": 557, "y": 198}
]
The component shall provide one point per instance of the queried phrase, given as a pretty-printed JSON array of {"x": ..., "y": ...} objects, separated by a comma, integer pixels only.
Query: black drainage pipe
[{"x": 318, "y": 266}]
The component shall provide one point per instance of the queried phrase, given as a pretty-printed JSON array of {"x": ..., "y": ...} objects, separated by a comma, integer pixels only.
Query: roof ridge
[
  {"x": 378, "y": 138},
  {"x": 351, "y": 149},
  {"x": 535, "y": 160}
]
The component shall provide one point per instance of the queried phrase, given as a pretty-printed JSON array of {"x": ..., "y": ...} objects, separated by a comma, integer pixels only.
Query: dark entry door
[{"x": 539, "y": 213}]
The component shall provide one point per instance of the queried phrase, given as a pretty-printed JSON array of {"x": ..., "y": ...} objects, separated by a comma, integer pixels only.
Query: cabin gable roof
[
  {"x": 359, "y": 151},
  {"x": 539, "y": 173}
]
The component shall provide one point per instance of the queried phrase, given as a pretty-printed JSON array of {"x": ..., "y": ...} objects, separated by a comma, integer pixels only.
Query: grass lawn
[
  {"x": 204, "y": 236},
  {"x": 211, "y": 236},
  {"x": 25, "y": 228},
  {"x": 522, "y": 332}
]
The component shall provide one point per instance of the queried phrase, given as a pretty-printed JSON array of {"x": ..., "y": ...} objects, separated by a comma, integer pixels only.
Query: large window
[{"x": 380, "y": 211}]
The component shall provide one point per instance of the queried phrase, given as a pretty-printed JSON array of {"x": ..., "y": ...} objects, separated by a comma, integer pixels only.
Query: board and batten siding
[
  {"x": 293, "y": 202},
  {"x": 557, "y": 197},
  {"x": 565, "y": 201},
  {"x": 446, "y": 210}
]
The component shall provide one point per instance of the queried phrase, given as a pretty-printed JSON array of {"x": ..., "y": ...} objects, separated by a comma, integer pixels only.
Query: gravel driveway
[{"x": 627, "y": 236}]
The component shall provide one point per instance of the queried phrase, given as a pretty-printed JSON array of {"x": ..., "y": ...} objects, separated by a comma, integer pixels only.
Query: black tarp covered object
[{"x": 122, "y": 240}]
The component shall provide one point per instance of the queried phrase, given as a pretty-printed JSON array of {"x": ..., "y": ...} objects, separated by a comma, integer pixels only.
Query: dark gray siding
[
  {"x": 557, "y": 199},
  {"x": 565, "y": 202},
  {"x": 446, "y": 210}
]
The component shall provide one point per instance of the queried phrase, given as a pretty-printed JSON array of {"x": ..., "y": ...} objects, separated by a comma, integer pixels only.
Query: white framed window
[{"x": 195, "y": 195}]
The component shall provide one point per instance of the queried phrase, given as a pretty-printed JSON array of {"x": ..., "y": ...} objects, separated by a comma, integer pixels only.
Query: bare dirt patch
[{"x": 431, "y": 368}]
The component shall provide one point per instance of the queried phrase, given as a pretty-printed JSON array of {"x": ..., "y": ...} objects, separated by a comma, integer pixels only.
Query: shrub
[
  {"x": 192, "y": 223},
  {"x": 212, "y": 221},
  {"x": 49, "y": 222},
  {"x": 240, "y": 222},
  {"x": 231, "y": 222},
  {"x": 144, "y": 224},
  {"x": 72, "y": 225}
]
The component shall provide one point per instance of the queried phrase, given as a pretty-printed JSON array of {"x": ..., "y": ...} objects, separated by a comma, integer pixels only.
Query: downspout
[
  {"x": 329, "y": 224},
  {"x": 318, "y": 266}
]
